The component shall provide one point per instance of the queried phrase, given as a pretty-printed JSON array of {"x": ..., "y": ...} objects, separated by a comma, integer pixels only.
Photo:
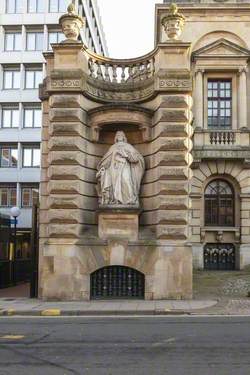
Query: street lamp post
[{"x": 15, "y": 212}]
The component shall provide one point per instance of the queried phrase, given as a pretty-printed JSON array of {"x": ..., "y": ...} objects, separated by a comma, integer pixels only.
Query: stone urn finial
[
  {"x": 71, "y": 24},
  {"x": 173, "y": 22}
]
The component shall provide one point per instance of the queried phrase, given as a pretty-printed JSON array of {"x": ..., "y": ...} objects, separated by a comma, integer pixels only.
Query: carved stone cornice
[
  {"x": 106, "y": 92},
  {"x": 226, "y": 154}
]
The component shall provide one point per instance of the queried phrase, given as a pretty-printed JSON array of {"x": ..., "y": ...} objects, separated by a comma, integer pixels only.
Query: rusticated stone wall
[
  {"x": 70, "y": 163},
  {"x": 165, "y": 190},
  {"x": 77, "y": 131}
]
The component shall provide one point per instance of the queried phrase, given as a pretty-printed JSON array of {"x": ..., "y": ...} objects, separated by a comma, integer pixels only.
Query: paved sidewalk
[
  {"x": 34, "y": 307},
  {"x": 21, "y": 290}
]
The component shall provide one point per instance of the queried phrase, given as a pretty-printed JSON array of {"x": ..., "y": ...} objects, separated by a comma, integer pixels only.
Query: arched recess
[
  {"x": 133, "y": 120},
  {"x": 232, "y": 172},
  {"x": 219, "y": 203},
  {"x": 216, "y": 35},
  {"x": 117, "y": 282}
]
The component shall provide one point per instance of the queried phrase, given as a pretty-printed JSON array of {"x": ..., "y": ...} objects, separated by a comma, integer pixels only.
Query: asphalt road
[{"x": 134, "y": 346}]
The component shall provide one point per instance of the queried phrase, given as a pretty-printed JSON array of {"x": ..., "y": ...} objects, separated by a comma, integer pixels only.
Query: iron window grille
[{"x": 219, "y": 204}]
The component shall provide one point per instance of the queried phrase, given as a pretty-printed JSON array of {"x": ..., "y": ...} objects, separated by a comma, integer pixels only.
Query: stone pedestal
[{"x": 118, "y": 223}]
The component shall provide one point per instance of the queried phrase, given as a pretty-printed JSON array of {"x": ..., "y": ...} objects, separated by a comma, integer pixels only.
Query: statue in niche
[{"x": 119, "y": 174}]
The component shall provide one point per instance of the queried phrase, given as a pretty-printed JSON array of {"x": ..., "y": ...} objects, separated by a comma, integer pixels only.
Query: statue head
[{"x": 120, "y": 137}]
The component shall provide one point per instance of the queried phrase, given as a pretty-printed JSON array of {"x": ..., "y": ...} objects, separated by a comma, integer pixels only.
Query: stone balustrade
[
  {"x": 119, "y": 70},
  {"x": 231, "y": 144},
  {"x": 222, "y": 138}
]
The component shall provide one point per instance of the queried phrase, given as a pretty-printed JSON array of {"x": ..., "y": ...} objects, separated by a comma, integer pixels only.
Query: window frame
[
  {"x": 221, "y": 86},
  {"x": 33, "y": 108},
  {"x": 12, "y": 70},
  {"x": 218, "y": 198},
  {"x": 14, "y": 33},
  {"x": 37, "y": 6},
  {"x": 9, "y": 108},
  {"x": 15, "y": 11},
  {"x": 32, "y": 148},
  {"x": 234, "y": 94},
  {"x": 51, "y": 31},
  {"x": 30, "y": 188},
  {"x": 10, "y": 188},
  {"x": 58, "y": 3},
  {"x": 35, "y": 32},
  {"x": 34, "y": 70},
  {"x": 9, "y": 148}
]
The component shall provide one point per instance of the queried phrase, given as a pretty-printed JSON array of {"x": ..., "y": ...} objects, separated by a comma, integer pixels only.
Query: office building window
[
  {"x": 55, "y": 37},
  {"x": 10, "y": 117},
  {"x": 32, "y": 117},
  {"x": 7, "y": 196},
  {"x": 33, "y": 77},
  {"x": 56, "y": 6},
  {"x": 11, "y": 78},
  {"x": 13, "y": 41},
  {"x": 219, "y": 97},
  {"x": 34, "y": 41},
  {"x": 26, "y": 195},
  {"x": 31, "y": 157},
  {"x": 14, "y": 6},
  {"x": 8, "y": 157},
  {"x": 35, "y": 6}
]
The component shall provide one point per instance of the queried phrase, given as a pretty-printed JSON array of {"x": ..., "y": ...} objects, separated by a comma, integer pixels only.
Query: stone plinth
[{"x": 121, "y": 223}]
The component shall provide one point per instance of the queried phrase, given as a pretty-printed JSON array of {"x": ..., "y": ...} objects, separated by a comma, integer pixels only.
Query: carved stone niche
[{"x": 107, "y": 120}]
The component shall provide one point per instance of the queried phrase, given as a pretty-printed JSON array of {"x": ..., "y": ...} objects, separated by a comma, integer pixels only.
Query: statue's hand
[{"x": 100, "y": 173}]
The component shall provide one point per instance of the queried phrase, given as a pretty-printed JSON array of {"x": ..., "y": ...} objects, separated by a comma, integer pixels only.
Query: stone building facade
[{"x": 184, "y": 108}]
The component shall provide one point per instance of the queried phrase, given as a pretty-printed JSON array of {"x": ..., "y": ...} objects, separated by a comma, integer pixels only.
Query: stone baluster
[
  {"x": 123, "y": 67},
  {"x": 91, "y": 68},
  {"x": 130, "y": 72},
  {"x": 114, "y": 73},
  {"x": 99, "y": 71},
  {"x": 106, "y": 73}
]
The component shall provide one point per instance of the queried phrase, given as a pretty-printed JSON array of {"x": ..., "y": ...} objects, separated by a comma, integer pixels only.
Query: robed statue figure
[{"x": 120, "y": 173}]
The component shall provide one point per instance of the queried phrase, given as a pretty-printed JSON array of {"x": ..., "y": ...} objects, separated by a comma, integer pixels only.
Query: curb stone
[{"x": 56, "y": 312}]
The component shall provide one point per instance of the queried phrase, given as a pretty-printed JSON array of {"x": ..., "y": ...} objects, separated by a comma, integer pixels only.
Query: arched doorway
[{"x": 117, "y": 282}]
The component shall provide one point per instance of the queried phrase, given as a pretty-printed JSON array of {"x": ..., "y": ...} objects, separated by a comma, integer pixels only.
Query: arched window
[{"x": 219, "y": 204}]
